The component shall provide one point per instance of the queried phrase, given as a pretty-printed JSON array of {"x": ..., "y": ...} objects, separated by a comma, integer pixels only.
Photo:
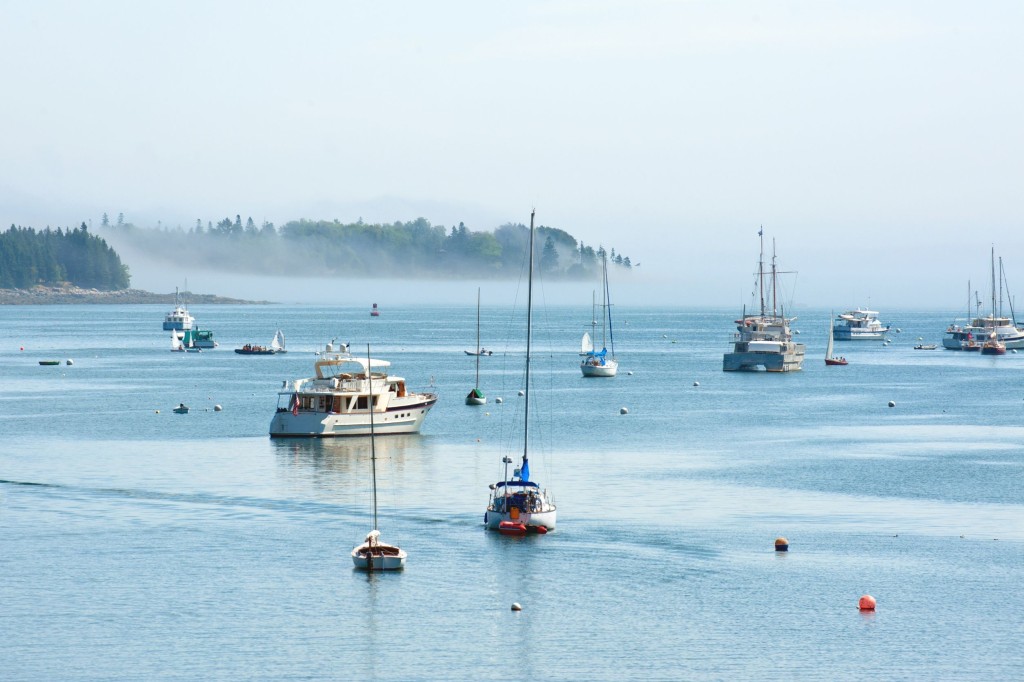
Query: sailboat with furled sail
[
  {"x": 517, "y": 505},
  {"x": 476, "y": 396},
  {"x": 374, "y": 555}
]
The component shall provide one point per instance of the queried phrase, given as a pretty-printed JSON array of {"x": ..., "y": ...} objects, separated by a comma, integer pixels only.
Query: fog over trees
[{"x": 402, "y": 250}]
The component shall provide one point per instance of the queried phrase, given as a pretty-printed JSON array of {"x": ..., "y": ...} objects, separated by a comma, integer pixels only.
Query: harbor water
[{"x": 142, "y": 544}]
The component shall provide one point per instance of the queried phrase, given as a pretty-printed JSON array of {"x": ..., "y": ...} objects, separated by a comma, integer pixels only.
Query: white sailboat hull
[
  {"x": 384, "y": 557},
  {"x": 546, "y": 519},
  {"x": 608, "y": 369}
]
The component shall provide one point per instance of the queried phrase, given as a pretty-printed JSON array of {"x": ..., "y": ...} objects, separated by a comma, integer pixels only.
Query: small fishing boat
[
  {"x": 476, "y": 396},
  {"x": 182, "y": 408},
  {"x": 49, "y": 362},
  {"x": 830, "y": 359},
  {"x": 925, "y": 346},
  {"x": 517, "y": 505},
  {"x": 374, "y": 555}
]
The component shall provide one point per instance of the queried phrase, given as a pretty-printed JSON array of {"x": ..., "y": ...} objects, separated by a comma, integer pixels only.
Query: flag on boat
[
  {"x": 524, "y": 474},
  {"x": 295, "y": 404}
]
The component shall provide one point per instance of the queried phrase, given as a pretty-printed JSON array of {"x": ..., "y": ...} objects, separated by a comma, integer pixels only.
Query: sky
[{"x": 878, "y": 143}]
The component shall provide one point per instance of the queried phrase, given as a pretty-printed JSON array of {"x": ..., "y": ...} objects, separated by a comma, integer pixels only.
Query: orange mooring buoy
[
  {"x": 866, "y": 603},
  {"x": 781, "y": 545}
]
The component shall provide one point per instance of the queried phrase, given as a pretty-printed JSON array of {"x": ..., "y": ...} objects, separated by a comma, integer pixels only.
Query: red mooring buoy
[
  {"x": 781, "y": 545},
  {"x": 866, "y": 603}
]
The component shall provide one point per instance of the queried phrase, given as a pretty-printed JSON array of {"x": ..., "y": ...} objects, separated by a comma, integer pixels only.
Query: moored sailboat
[
  {"x": 830, "y": 358},
  {"x": 600, "y": 363},
  {"x": 518, "y": 505},
  {"x": 476, "y": 396},
  {"x": 372, "y": 554}
]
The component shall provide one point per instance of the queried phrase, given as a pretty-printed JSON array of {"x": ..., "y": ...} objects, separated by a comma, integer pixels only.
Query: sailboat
[
  {"x": 517, "y": 505},
  {"x": 830, "y": 359},
  {"x": 372, "y": 554},
  {"x": 476, "y": 396},
  {"x": 600, "y": 363},
  {"x": 178, "y": 346},
  {"x": 277, "y": 344}
]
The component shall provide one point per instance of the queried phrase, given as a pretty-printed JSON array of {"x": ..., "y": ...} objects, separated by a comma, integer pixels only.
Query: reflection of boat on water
[
  {"x": 518, "y": 505},
  {"x": 765, "y": 339},
  {"x": 337, "y": 401},
  {"x": 372, "y": 554}
]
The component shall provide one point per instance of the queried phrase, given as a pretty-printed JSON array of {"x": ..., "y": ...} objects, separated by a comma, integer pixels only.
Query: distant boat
[
  {"x": 374, "y": 312},
  {"x": 860, "y": 324},
  {"x": 831, "y": 359},
  {"x": 517, "y": 505},
  {"x": 49, "y": 362},
  {"x": 925, "y": 346},
  {"x": 198, "y": 338},
  {"x": 277, "y": 344},
  {"x": 177, "y": 344},
  {"x": 600, "y": 363},
  {"x": 765, "y": 339},
  {"x": 374, "y": 555},
  {"x": 966, "y": 336},
  {"x": 476, "y": 396},
  {"x": 993, "y": 346},
  {"x": 179, "y": 318},
  {"x": 182, "y": 408}
]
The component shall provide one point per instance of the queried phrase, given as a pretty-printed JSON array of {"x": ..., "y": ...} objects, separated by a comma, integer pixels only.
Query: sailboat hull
[
  {"x": 608, "y": 369},
  {"x": 545, "y": 519},
  {"x": 384, "y": 558}
]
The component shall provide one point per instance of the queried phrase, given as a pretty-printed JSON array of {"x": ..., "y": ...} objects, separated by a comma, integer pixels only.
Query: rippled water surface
[{"x": 140, "y": 544}]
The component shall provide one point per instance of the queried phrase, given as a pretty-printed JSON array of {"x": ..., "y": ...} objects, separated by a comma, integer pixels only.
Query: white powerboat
[
  {"x": 337, "y": 401},
  {"x": 859, "y": 324},
  {"x": 178, "y": 319}
]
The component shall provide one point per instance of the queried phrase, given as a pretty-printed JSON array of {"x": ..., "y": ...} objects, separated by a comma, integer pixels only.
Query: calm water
[{"x": 140, "y": 544}]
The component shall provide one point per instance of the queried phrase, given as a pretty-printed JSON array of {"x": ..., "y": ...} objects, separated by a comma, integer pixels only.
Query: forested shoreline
[{"x": 29, "y": 257}]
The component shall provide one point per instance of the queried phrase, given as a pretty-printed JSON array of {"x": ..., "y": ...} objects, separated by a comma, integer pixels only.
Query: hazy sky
[{"x": 880, "y": 143}]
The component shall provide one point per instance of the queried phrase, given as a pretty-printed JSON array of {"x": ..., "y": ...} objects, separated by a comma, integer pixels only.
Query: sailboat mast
[
  {"x": 478, "y": 337},
  {"x": 775, "y": 307},
  {"x": 529, "y": 334},
  {"x": 604, "y": 302},
  {"x": 373, "y": 451},
  {"x": 608, "y": 297},
  {"x": 993, "y": 294},
  {"x": 760, "y": 269}
]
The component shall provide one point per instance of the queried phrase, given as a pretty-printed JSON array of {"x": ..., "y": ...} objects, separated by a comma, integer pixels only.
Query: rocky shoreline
[{"x": 43, "y": 295}]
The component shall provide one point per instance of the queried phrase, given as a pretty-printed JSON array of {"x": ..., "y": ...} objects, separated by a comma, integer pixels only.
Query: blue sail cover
[{"x": 524, "y": 474}]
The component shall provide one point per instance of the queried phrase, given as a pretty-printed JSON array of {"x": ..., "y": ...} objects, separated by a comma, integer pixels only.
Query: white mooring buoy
[
  {"x": 516, "y": 606},
  {"x": 623, "y": 410}
]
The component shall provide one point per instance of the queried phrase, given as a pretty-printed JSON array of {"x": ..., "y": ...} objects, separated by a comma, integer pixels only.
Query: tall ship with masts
[{"x": 764, "y": 339}]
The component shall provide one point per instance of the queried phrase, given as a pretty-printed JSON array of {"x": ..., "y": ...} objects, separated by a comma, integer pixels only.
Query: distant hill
[
  {"x": 399, "y": 250},
  {"x": 29, "y": 258}
]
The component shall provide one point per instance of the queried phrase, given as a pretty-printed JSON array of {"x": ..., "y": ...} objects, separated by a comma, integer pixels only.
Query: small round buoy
[
  {"x": 499, "y": 401},
  {"x": 664, "y": 336},
  {"x": 217, "y": 408},
  {"x": 920, "y": 338},
  {"x": 69, "y": 362},
  {"x": 892, "y": 403},
  {"x": 781, "y": 545},
  {"x": 796, "y": 331},
  {"x": 22, "y": 348},
  {"x": 623, "y": 410},
  {"x": 866, "y": 603},
  {"x": 696, "y": 383},
  {"x": 516, "y": 606},
  {"x": 522, "y": 393},
  {"x": 898, "y": 330},
  {"x": 629, "y": 374},
  {"x": 156, "y": 411}
]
